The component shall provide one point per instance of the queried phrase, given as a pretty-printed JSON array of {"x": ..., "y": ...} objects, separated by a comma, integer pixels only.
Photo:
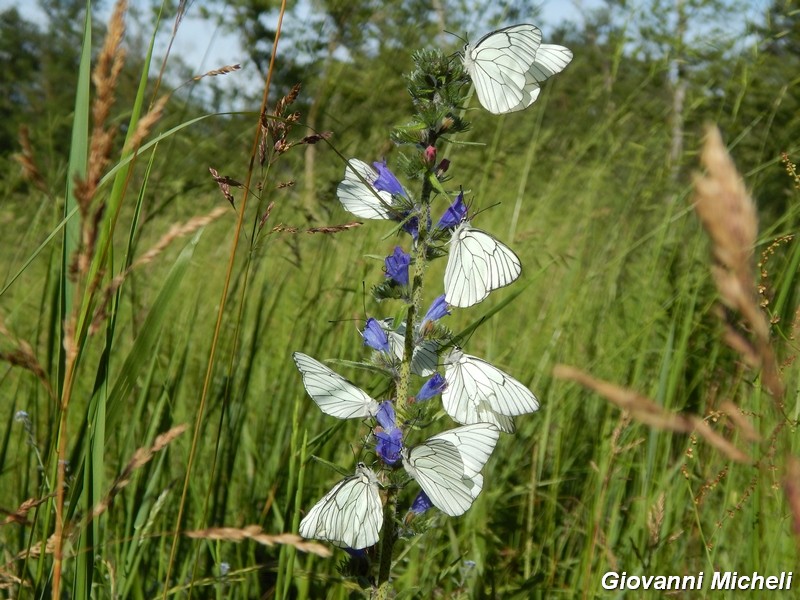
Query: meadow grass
[{"x": 617, "y": 282}]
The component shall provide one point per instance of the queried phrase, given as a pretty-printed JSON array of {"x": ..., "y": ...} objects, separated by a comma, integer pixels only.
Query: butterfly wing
[
  {"x": 509, "y": 65},
  {"x": 360, "y": 199},
  {"x": 350, "y": 514},
  {"x": 475, "y": 444},
  {"x": 550, "y": 60},
  {"x": 498, "y": 64},
  {"x": 425, "y": 359},
  {"x": 478, "y": 392},
  {"x": 334, "y": 394},
  {"x": 477, "y": 264},
  {"x": 447, "y": 466}
]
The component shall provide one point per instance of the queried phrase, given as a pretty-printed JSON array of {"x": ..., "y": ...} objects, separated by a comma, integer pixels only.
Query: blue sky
[{"x": 203, "y": 46}]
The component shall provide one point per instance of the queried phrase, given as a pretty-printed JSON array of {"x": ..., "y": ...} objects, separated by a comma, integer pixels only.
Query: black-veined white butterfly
[
  {"x": 358, "y": 198},
  {"x": 478, "y": 392},
  {"x": 509, "y": 65},
  {"x": 425, "y": 358},
  {"x": 334, "y": 394},
  {"x": 350, "y": 514},
  {"x": 477, "y": 264},
  {"x": 447, "y": 466}
]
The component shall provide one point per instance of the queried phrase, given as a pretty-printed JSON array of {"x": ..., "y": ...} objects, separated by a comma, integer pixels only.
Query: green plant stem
[
  {"x": 388, "y": 536},
  {"x": 420, "y": 252},
  {"x": 389, "y": 533}
]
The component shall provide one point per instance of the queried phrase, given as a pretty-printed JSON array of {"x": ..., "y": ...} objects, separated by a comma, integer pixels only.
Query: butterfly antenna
[
  {"x": 464, "y": 335},
  {"x": 455, "y": 35},
  {"x": 491, "y": 206},
  {"x": 341, "y": 320}
]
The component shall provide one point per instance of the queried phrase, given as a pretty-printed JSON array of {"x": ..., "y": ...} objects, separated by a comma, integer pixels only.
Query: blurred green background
[{"x": 591, "y": 186}]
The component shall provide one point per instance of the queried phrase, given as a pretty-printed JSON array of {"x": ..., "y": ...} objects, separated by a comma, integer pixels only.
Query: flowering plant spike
[{"x": 360, "y": 510}]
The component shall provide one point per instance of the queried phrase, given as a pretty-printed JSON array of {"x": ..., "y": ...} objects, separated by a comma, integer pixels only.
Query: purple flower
[
  {"x": 397, "y": 266},
  {"x": 437, "y": 310},
  {"x": 386, "y": 416},
  {"x": 421, "y": 503},
  {"x": 389, "y": 436},
  {"x": 455, "y": 213},
  {"x": 389, "y": 445},
  {"x": 411, "y": 227},
  {"x": 435, "y": 385},
  {"x": 410, "y": 222},
  {"x": 386, "y": 181},
  {"x": 374, "y": 336}
]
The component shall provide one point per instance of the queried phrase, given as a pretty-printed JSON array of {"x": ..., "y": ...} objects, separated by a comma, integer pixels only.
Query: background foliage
[{"x": 592, "y": 185}]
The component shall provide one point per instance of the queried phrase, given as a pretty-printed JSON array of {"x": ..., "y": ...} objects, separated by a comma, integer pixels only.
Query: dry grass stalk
[
  {"x": 141, "y": 457},
  {"x": 22, "y": 355},
  {"x": 35, "y": 550},
  {"x": 263, "y": 220},
  {"x": 225, "y": 184},
  {"x": 766, "y": 254},
  {"x": 655, "y": 519},
  {"x": 710, "y": 484},
  {"x": 146, "y": 123},
  {"x": 728, "y": 215},
  {"x": 175, "y": 232},
  {"x": 27, "y": 160},
  {"x": 322, "y": 229},
  {"x": 285, "y": 102},
  {"x": 791, "y": 169},
  {"x": 278, "y": 125},
  {"x": 647, "y": 412},
  {"x": 262, "y": 144},
  {"x": 734, "y": 413},
  {"x": 314, "y": 138},
  {"x": 255, "y": 533},
  {"x": 10, "y": 581},
  {"x": 791, "y": 486},
  {"x": 105, "y": 76},
  {"x": 216, "y": 72},
  {"x": 20, "y": 515}
]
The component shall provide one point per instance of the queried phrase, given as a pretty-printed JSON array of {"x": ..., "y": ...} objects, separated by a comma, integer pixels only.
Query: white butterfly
[
  {"x": 350, "y": 514},
  {"x": 477, "y": 264},
  {"x": 478, "y": 392},
  {"x": 508, "y": 66},
  {"x": 447, "y": 466},
  {"x": 424, "y": 360},
  {"x": 358, "y": 198},
  {"x": 334, "y": 395}
]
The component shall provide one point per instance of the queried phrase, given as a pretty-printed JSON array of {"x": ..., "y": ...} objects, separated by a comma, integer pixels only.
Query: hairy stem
[
  {"x": 388, "y": 536},
  {"x": 389, "y": 533},
  {"x": 420, "y": 252}
]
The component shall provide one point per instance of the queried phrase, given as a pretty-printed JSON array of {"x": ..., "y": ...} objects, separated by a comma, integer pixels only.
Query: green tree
[
  {"x": 770, "y": 110},
  {"x": 20, "y": 69}
]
